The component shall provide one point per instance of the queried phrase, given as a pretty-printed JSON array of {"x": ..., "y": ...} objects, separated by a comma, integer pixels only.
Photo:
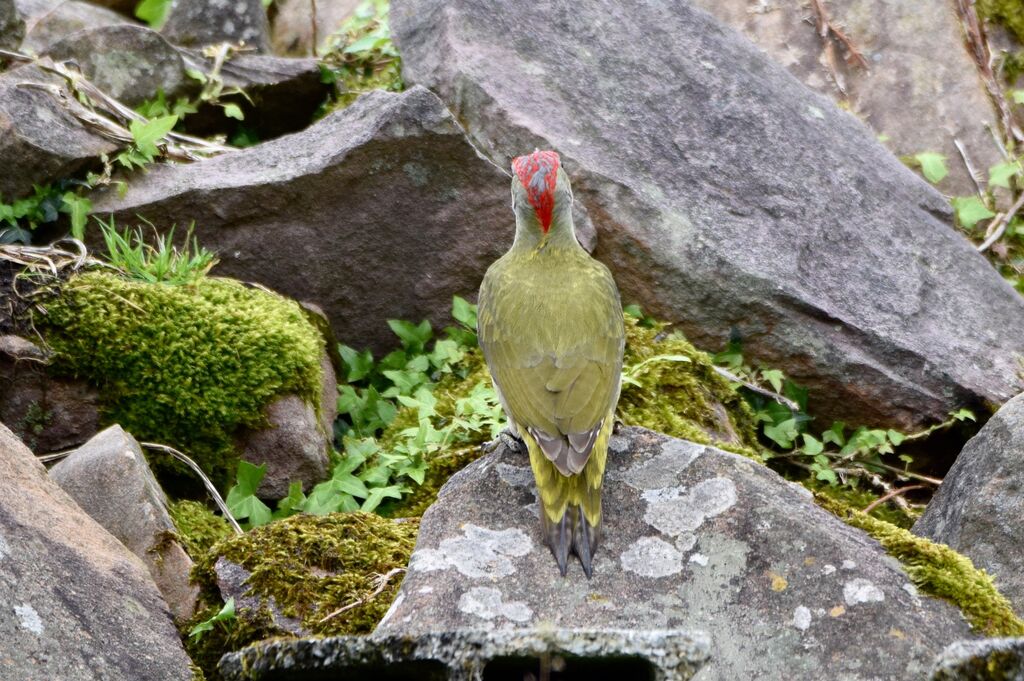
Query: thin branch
[
  {"x": 999, "y": 224},
  {"x": 971, "y": 172},
  {"x": 781, "y": 399},
  {"x": 908, "y": 474},
  {"x": 382, "y": 582},
  {"x": 892, "y": 494}
]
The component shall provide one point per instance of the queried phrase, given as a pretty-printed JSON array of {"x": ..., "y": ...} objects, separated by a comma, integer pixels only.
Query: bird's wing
[{"x": 555, "y": 357}]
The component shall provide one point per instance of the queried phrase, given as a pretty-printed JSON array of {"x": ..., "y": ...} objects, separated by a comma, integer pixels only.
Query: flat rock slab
[
  {"x": 979, "y": 506},
  {"x": 75, "y": 604},
  {"x": 380, "y": 211},
  {"x": 466, "y": 655},
  {"x": 694, "y": 538},
  {"x": 731, "y": 199}
]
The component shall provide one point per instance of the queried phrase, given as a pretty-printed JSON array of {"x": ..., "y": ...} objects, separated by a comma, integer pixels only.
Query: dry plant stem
[
  {"x": 831, "y": 34},
  {"x": 978, "y": 46},
  {"x": 217, "y": 499},
  {"x": 781, "y": 399},
  {"x": 998, "y": 225},
  {"x": 971, "y": 172},
  {"x": 382, "y": 582},
  {"x": 896, "y": 493}
]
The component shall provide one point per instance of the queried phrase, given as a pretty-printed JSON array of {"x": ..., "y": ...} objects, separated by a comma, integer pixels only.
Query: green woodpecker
[{"x": 551, "y": 328}]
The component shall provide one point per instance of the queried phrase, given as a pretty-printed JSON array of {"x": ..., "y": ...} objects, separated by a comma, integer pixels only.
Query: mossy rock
[
  {"x": 183, "y": 365},
  {"x": 199, "y": 528},
  {"x": 312, "y": 567}
]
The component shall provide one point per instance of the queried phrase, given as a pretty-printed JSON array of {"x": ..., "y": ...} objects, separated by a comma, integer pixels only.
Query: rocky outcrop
[
  {"x": 40, "y": 139},
  {"x": 108, "y": 477},
  {"x": 733, "y": 200},
  {"x": 978, "y": 508},
  {"x": 693, "y": 538},
  {"x": 77, "y": 605},
  {"x": 195, "y": 23},
  {"x": 901, "y": 90},
  {"x": 49, "y": 414},
  {"x": 382, "y": 211},
  {"x": 129, "y": 63}
]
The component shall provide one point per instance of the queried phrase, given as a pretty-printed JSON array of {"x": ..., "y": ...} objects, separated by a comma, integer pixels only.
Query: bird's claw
[{"x": 505, "y": 437}]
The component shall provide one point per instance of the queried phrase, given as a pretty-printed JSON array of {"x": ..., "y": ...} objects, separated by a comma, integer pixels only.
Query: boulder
[
  {"x": 108, "y": 477},
  {"x": 988, "y": 659},
  {"x": 49, "y": 21},
  {"x": 731, "y": 199},
  {"x": 12, "y": 26},
  {"x": 49, "y": 414},
  {"x": 40, "y": 139},
  {"x": 129, "y": 63},
  {"x": 195, "y": 23},
  {"x": 980, "y": 503},
  {"x": 299, "y": 27},
  {"x": 481, "y": 654},
  {"x": 75, "y": 604},
  {"x": 919, "y": 103},
  {"x": 380, "y": 211},
  {"x": 693, "y": 538}
]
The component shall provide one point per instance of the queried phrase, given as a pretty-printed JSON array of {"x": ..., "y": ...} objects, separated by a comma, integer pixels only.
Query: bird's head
[{"x": 541, "y": 193}]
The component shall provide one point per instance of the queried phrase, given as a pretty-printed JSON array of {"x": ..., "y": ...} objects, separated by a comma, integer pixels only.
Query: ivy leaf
[
  {"x": 812, "y": 445},
  {"x": 970, "y": 210},
  {"x": 782, "y": 434},
  {"x": 835, "y": 434},
  {"x": 147, "y": 134},
  {"x": 77, "y": 207},
  {"x": 999, "y": 175},
  {"x": 226, "y": 613},
  {"x": 963, "y": 415},
  {"x": 464, "y": 312},
  {"x": 933, "y": 166},
  {"x": 242, "y": 500},
  {"x": 377, "y": 495},
  {"x": 413, "y": 336},
  {"x": 233, "y": 111},
  {"x": 774, "y": 378},
  {"x": 153, "y": 12},
  {"x": 358, "y": 365},
  {"x": 895, "y": 437}
]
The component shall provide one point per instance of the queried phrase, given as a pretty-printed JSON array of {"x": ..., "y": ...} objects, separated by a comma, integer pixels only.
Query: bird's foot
[{"x": 506, "y": 438}]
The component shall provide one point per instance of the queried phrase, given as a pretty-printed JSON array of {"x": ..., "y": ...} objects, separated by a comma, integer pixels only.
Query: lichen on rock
[
  {"x": 183, "y": 365},
  {"x": 311, "y": 566}
]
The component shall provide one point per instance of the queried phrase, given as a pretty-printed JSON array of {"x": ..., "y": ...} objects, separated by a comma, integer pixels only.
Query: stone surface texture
[
  {"x": 48, "y": 21},
  {"x": 989, "y": 659},
  {"x": 12, "y": 26},
  {"x": 109, "y": 478},
  {"x": 40, "y": 139},
  {"x": 195, "y": 23},
  {"x": 296, "y": 31},
  {"x": 48, "y": 414},
  {"x": 380, "y": 211},
  {"x": 129, "y": 63},
  {"x": 979, "y": 506},
  {"x": 661, "y": 655},
  {"x": 75, "y": 604},
  {"x": 918, "y": 102},
  {"x": 731, "y": 199},
  {"x": 693, "y": 538}
]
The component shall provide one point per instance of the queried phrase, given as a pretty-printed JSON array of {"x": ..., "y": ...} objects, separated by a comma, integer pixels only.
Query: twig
[
  {"x": 970, "y": 169},
  {"x": 830, "y": 34},
  {"x": 886, "y": 497},
  {"x": 382, "y": 582},
  {"x": 312, "y": 21},
  {"x": 781, "y": 399},
  {"x": 999, "y": 224},
  {"x": 907, "y": 474},
  {"x": 217, "y": 499}
]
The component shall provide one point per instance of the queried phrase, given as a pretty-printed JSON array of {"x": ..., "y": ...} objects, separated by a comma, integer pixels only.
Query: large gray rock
[
  {"x": 693, "y": 538},
  {"x": 109, "y": 478},
  {"x": 75, "y": 604},
  {"x": 979, "y": 506},
  {"x": 12, "y": 26},
  {"x": 129, "y": 63},
  {"x": 297, "y": 30},
  {"x": 40, "y": 140},
  {"x": 989, "y": 659},
  {"x": 194, "y": 23},
  {"x": 49, "y": 21},
  {"x": 49, "y": 414},
  {"x": 729, "y": 198},
  {"x": 471, "y": 655},
  {"x": 380, "y": 211},
  {"x": 918, "y": 102}
]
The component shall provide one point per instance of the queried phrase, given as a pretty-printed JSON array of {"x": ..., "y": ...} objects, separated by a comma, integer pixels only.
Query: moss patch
[
  {"x": 311, "y": 566},
  {"x": 939, "y": 571},
  {"x": 184, "y": 365},
  {"x": 860, "y": 498},
  {"x": 688, "y": 400},
  {"x": 1008, "y": 13},
  {"x": 199, "y": 528}
]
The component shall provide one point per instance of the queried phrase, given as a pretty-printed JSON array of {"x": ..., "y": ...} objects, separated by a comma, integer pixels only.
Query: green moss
[
  {"x": 311, "y": 566},
  {"x": 199, "y": 528},
  {"x": 184, "y": 365},
  {"x": 858, "y": 499},
  {"x": 939, "y": 571},
  {"x": 1008, "y": 13},
  {"x": 687, "y": 400}
]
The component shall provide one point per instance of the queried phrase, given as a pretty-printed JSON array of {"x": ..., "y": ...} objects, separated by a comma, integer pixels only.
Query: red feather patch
[{"x": 538, "y": 173}]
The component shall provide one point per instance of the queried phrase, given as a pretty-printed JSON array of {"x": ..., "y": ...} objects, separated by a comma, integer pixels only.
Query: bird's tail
[{"x": 571, "y": 505}]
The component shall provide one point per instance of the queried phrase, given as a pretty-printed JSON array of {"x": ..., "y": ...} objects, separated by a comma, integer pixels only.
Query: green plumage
[{"x": 551, "y": 329}]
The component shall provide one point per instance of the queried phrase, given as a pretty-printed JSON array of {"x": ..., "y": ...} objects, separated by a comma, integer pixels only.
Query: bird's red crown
[{"x": 538, "y": 173}]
